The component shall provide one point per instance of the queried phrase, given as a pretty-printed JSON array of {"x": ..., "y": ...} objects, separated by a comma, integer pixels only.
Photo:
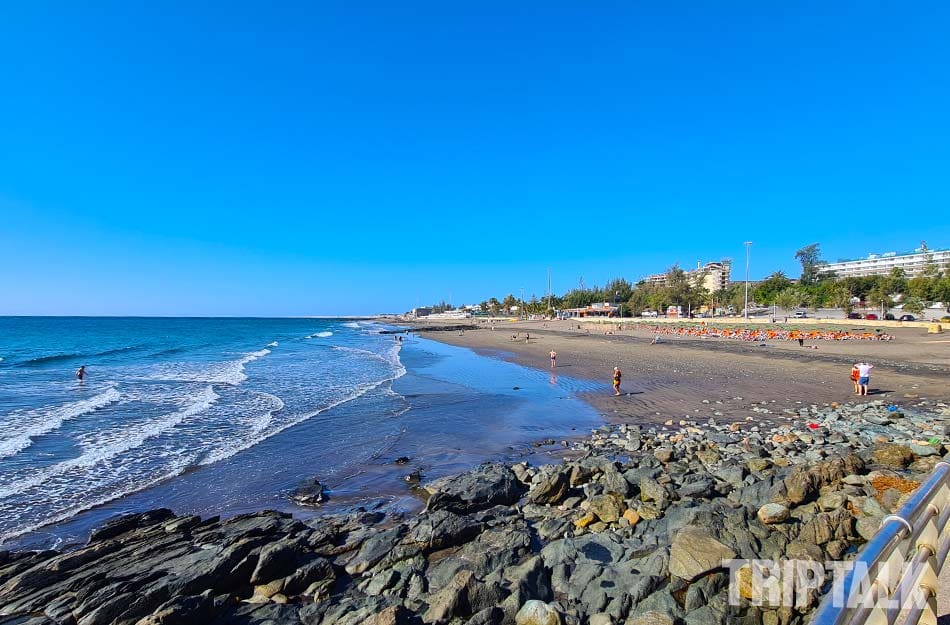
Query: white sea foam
[
  {"x": 101, "y": 446},
  {"x": 361, "y": 352},
  {"x": 320, "y": 335},
  {"x": 273, "y": 344},
  {"x": 352, "y": 324},
  {"x": 259, "y": 431},
  {"x": 359, "y": 390},
  {"x": 39, "y": 421},
  {"x": 231, "y": 372},
  {"x": 107, "y": 471},
  {"x": 118, "y": 493}
]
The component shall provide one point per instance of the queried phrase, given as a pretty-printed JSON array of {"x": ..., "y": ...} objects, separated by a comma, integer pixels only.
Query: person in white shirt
[{"x": 864, "y": 376}]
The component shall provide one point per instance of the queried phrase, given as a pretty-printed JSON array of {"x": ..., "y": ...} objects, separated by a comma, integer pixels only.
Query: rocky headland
[{"x": 632, "y": 530}]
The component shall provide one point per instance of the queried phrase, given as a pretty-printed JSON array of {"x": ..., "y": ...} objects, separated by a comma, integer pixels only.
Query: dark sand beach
[
  {"x": 715, "y": 450},
  {"x": 670, "y": 380}
]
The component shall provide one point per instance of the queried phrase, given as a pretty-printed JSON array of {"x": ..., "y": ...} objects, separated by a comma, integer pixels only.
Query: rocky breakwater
[{"x": 633, "y": 532}]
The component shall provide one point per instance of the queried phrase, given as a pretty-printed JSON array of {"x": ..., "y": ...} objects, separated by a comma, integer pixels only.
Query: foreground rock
[{"x": 634, "y": 532}]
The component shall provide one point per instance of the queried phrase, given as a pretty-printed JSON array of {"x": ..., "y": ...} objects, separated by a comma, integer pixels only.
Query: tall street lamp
[{"x": 748, "y": 245}]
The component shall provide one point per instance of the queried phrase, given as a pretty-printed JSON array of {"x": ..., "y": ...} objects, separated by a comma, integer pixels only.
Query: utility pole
[
  {"x": 748, "y": 245},
  {"x": 549, "y": 289},
  {"x": 524, "y": 313}
]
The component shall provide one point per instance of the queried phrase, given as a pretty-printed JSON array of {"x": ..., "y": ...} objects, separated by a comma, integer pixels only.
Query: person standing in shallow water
[
  {"x": 553, "y": 359},
  {"x": 81, "y": 373},
  {"x": 617, "y": 376}
]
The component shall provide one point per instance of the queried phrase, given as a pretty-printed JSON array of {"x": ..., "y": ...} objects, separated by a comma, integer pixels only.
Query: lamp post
[{"x": 748, "y": 245}]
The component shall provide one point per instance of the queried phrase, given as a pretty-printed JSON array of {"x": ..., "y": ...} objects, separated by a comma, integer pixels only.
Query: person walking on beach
[
  {"x": 553, "y": 359},
  {"x": 864, "y": 377},
  {"x": 855, "y": 375},
  {"x": 617, "y": 375},
  {"x": 81, "y": 373}
]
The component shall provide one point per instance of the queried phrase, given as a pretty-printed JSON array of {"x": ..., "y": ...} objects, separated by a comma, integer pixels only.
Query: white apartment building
[
  {"x": 913, "y": 263},
  {"x": 711, "y": 276}
]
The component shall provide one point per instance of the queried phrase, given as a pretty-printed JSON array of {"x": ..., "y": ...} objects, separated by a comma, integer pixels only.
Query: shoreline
[
  {"x": 670, "y": 380},
  {"x": 427, "y": 390},
  {"x": 632, "y": 531},
  {"x": 615, "y": 529}
]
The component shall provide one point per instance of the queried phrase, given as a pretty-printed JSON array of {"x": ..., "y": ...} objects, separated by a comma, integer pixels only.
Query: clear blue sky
[{"x": 344, "y": 157}]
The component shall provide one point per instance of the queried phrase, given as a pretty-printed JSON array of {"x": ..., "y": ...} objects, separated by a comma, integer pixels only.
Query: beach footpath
[{"x": 638, "y": 528}]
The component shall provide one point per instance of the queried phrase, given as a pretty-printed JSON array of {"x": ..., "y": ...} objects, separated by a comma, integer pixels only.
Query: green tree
[
  {"x": 921, "y": 288},
  {"x": 618, "y": 290},
  {"x": 878, "y": 296},
  {"x": 913, "y": 305},
  {"x": 638, "y": 301},
  {"x": 766, "y": 290},
  {"x": 896, "y": 281},
  {"x": 841, "y": 298},
  {"x": 788, "y": 299},
  {"x": 508, "y": 303},
  {"x": 810, "y": 259}
]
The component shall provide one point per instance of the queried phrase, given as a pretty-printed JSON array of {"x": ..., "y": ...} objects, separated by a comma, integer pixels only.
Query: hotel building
[{"x": 913, "y": 263}]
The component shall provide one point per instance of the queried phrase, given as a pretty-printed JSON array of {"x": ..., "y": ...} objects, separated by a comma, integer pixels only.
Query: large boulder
[
  {"x": 608, "y": 507},
  {"x": 535, "y": 612},
  {"x": 892, "y": 455},
  {"x": 694, "y": 552},
  {"x": 804, "y": 483},
  {"x": 552, "y": 487},
  {"x": 489, "y": 485},
  {"x": 773, "y": 513},
  {"x": 310, "y": 493},
  {"x": 442, "y": 529}
]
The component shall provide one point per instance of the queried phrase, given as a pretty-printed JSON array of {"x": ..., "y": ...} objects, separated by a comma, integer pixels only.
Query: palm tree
[
  {"x": 788, "y": 299},
  {"x": 841, "y": 298}
]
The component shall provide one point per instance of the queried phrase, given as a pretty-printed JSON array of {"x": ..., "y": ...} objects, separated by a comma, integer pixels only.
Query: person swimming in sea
[{"x": 81, "y": 373}]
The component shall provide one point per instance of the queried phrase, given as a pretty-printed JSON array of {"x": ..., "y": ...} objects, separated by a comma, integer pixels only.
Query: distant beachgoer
[
  {"x": 553, "y": 359},
  {"x": 855, "y": 376},
  {"x": 801, "y": 341},
  {"x": 864, "y": 373},
  {"x": 617, "y": 376},
  {"x": 526, "y": 336},
  {"x": 81, "y": 373},
  {"x": 656, "y": 340}
]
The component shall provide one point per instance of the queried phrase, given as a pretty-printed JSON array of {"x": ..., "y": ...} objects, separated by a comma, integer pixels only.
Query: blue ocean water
[{"x": 228, "y": 415}]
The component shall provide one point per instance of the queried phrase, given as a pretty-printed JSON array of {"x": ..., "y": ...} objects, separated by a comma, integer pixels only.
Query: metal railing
[{"x": 895, "y": 575}]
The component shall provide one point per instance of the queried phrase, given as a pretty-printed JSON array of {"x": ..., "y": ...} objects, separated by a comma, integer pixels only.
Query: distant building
[
  {"x": 449, "y": 315},
  {"x": 713, "y": 276},
  {"x": 598, "y": 309},
  {"x": 913, "y": 263},
  {"x": 422, "y": 311}
]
